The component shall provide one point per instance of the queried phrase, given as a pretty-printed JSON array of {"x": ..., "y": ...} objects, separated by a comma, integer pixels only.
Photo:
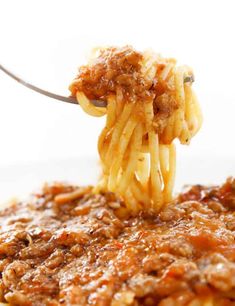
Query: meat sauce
[
  {"x": 118, "y": 72},
  {"x": 66, "y": 246},
  {"x": 112, "y": 70}
]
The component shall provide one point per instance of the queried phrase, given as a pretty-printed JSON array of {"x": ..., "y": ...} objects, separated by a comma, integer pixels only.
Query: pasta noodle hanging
[{"x": 150, "y": 102}]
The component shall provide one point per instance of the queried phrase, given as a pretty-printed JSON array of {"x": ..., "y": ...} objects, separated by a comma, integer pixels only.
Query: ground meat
[
  {"x": 221, "y": 275},
  {"x": 61, "y": 249},
  {"x": 115, "y": 69},
  {"x": 124, "y": 73},
  {"x": 118, "y": 71}
]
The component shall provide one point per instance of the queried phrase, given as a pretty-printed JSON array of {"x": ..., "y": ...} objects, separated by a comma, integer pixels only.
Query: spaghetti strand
[{"x": 149, "y": 105}]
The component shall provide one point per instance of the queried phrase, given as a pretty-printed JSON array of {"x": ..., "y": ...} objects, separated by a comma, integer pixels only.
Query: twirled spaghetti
[{"x": 150, "y": 102}]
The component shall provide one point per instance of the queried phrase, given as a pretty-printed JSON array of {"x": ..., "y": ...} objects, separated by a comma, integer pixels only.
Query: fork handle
[{"x": 49, "y": 94}]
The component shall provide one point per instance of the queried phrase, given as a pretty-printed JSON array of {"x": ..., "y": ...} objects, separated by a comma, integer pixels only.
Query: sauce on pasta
[
  {"x": 67, "y": 246},
  {"x": 150, "y": 102}
]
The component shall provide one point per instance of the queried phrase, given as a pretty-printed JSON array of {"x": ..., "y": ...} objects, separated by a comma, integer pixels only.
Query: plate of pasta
[{"x": 114, "y": 232}]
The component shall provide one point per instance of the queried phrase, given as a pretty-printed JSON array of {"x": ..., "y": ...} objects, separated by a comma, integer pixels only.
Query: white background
[{"x": 45, "y": 41}]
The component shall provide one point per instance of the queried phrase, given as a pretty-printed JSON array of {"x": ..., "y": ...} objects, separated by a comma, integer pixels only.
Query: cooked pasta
[{"x": 150, "y": 103}]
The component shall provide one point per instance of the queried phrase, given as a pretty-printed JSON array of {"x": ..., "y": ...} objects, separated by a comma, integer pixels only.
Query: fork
[
  {"x": 48, "y": 93},
  {"x": 70, "y": 99}
]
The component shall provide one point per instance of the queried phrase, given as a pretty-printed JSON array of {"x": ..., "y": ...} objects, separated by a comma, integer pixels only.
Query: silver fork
[
  {"x": 48, "y": 93},
  {"x": 72, "y": 100}
]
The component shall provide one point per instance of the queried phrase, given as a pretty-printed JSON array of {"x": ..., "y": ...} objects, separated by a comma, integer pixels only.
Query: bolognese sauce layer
[
  {"x": 125, "y": 73},
  {"x": 66, "y": 246}
]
